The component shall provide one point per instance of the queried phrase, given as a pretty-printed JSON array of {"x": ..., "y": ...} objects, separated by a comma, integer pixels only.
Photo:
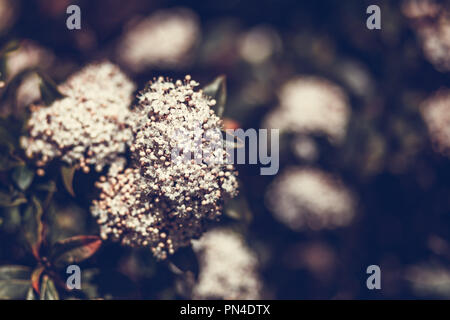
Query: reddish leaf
[
  {"x": 35, "y": 277},
  {"x": 231, "y": 124},
  {"x": 75, "y": 249}
]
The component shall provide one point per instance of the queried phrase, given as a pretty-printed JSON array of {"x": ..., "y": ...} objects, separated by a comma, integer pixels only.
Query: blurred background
[{"x": 364, "y": 119}]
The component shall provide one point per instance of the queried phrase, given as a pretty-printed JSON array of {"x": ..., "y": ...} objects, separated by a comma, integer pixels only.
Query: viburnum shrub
[{"x": 143, "y": 194}]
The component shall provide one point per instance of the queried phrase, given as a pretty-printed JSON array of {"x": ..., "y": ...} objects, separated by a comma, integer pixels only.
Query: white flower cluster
[
  {"x": 430, "y": 280},
  {"x": 431, "y": 22},
  {"x": 301, "y": 198},
  {"x": 180, "y": 195},
  {"x": 164, "y": 40},
  {"x": 228, "y": 268},
  {"x": 258, "y": 44},
  {"x": 311, "y": 105},
  {"x": 436, "y": 114},
  {"x": 420, "y": 9},
  {"x": 89, "y": 126},
  {"x": 28, "y": 55}
]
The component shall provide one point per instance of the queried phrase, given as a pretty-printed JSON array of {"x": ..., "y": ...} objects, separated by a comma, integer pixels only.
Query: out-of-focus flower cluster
[
  {"x": 258, "y": 44},
  {"x": 89, "y": 126},
  {"x": 431, "y": 22},
  {"x": 302, "y": 198},
  {"x": 19, "y": 63},
  {"x": 228, "y": 268},
  {"x": 310, "y": 105},
  {"x": 163, "y": 40},
  {"x": 429, "y": 280},
  {"x": 436, "y": 114},
  {"x": 164, "y": 201}
]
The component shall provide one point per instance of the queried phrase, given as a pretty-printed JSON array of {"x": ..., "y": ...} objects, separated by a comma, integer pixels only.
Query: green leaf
[
  {"x": 10, "y": 46},
  {"x": 49, "y": 186},
  {"x": 218, "y": 91},
  {"x": 184, "y": 261},
  {"x": 67, "y": 174},
  {"x": 48, "y": 290},
  {"x": 16, "y": 272},
  {"x": 7, "y": 162},
  {"x": 11, "y": 219},
  {"x": 30, "y": 294},
  {"x": 74, "y": 249},
  {"x": 14, "y": 289},
  {"x": 90, "y": 287},
  {"x": 8, "y": 200},
  {"x": 49, "y": 90},
  {"x": 238, "y": 209},
  {"x": 33, "y": 226},
  {"x": 23, "y": 177},
  {"x": 6, "y": 139}
]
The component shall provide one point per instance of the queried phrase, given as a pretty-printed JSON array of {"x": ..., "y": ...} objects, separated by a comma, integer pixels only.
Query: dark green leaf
[
  {"x": 23, "y": 177},
  {"x": 49, "y": 90},
  {"x": 183, "y": 261},
  {"x": 238, "y": 209},
  {"x": 75, "y": 249},
  {"x": 11, "y": 219},
  {"x": 7, "y": 139},
  {"x": 11, "y": 272},
  {"x": 10, "y": 46},
  {"x": 90, "y": 287},
  {"x": 48, "y": 290},
  {"x": 67, "y": 174},
  {"x": 7, "y": 162},
  {"x": 33, "y": 225},
  {"x": 7, "y": 200},
  {"x": 14, "y": 289},
  {"x": 49, "y": 186},
  {"x": 218, "y": 91}
]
